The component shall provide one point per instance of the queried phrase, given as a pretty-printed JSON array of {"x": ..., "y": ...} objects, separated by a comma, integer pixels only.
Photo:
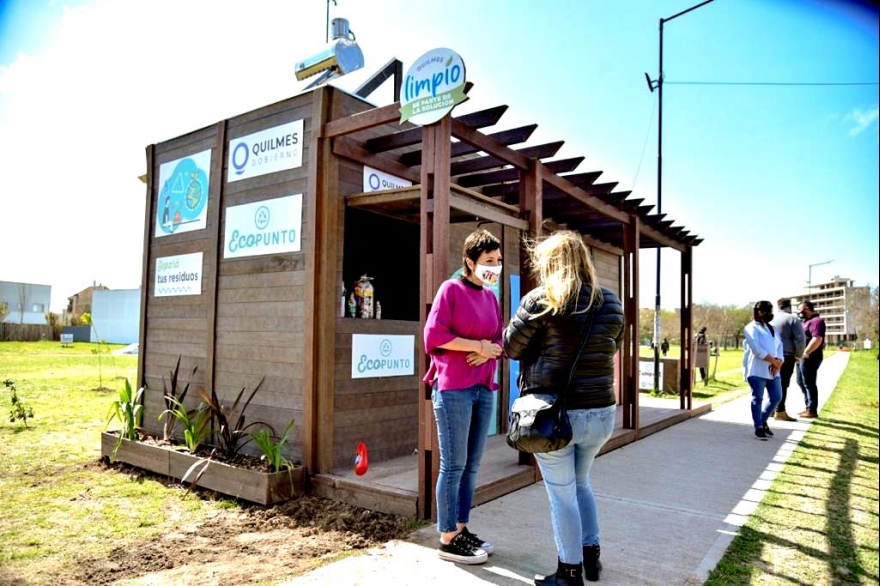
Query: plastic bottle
[
  {"x": 342, "y": 302},
  {"x": 352, "y": 306},
  {"x": 378, "y": 310}
]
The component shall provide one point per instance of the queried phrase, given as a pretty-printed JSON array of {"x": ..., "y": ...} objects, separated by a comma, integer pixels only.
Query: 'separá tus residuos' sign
[{"x": 432, "y": 87}]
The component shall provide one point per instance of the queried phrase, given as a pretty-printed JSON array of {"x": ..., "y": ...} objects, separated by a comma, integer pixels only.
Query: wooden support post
[
  {"x": 145, "y": 263},
  {"x": 434, "y": 253},
  {"x": 215, "y": 251},
  {"x": 321, "y": 221},
  {"x": 630, "y": 348},
  {"x": 531, "y": 208},
  {"x": 686, "y": 364}
]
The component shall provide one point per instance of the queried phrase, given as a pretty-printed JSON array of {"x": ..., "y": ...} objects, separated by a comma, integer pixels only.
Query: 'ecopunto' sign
[{"x": 432, "y": 87}]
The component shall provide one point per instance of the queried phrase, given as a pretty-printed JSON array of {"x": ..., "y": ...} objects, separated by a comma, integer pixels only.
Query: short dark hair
[
  {"x": 784, "y": 303},
  {"x": 808, "y": 304},
  {"x": 476, "y": 244}
]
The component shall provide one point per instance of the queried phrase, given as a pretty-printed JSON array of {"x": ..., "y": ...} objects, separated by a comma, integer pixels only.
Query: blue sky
[{"x": 773, "y": 177}]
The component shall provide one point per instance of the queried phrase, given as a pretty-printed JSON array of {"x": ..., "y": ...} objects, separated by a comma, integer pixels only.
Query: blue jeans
[
  {"x": 566, "y": 475},
  {"x": 760, "y": 414},
  {"x": 463, "y": 418},
  {"x": 807, "y": 372}
]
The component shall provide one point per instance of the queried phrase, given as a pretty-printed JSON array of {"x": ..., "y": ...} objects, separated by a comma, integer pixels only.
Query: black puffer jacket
[{"x": 546, "y": 345}]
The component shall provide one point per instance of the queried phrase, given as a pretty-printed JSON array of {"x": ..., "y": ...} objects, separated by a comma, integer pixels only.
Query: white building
[
  {"x": 27, "y": 303},
  {"x": 116, "y": 315},
  {"x": 830, "y": 300}
]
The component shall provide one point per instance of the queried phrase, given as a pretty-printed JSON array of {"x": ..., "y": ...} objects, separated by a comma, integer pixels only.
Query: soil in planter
[{"x": 253, "y": 545}]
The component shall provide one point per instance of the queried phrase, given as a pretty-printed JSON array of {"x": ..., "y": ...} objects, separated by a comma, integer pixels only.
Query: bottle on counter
[
  {"x": 342, "y": 302},
  {"x": 378, "y": 310},
  {"x": 352, "y": 306}
]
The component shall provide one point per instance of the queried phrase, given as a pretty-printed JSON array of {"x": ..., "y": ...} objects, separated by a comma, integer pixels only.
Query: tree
[
  {"x": 24, "y": 293},
  {"x": 4, "y": 310},
  {"x": 862, "y": 305}
]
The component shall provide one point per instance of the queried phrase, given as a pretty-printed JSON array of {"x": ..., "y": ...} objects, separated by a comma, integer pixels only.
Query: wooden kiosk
[{"x": 241, "y": 307}]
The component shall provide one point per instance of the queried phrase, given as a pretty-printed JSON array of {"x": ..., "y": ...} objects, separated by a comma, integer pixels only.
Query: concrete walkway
[{"x": 669, "y": 506}]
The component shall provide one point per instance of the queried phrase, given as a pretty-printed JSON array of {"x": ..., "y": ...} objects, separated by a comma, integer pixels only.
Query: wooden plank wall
[
  {"x": 260, "y": 299},
  {"x": 258, "y": 317},
  {"x": 607, "y": 269},
  {"x": 176, "y": 326}
]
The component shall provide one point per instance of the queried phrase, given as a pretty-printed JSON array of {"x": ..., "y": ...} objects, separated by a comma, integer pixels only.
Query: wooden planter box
[{"x": 265, "y": 488}]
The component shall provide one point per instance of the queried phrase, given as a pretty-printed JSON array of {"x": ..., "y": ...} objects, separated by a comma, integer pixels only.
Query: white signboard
[
  {"x": 183, "y": 194},
  {"x": 432, "y": 87},
  {"x": 374, "y": 356},
  {"x": 267, "y": 151},
  {"x": 264, "y": 227},
  {"x": 178, "y": 275},
  {"x": 646, "y": 375},
  {"x": 376, "y": 180}
]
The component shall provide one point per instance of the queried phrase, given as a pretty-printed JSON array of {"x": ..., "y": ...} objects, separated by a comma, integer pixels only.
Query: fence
[{"x": 27, "y": 332}]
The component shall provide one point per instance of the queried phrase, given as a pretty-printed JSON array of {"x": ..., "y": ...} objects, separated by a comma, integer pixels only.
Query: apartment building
[{"x": 830, "y": 300}]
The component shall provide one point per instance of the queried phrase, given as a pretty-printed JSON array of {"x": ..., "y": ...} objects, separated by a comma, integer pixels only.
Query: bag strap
[{"x": 585, "y": 333}]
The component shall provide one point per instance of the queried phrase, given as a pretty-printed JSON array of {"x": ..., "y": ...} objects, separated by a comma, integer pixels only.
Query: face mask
[
  {"x": 802, "y": 315},
  {"x": 768, "y": 317},
  {"x": 488, "y": 274}
]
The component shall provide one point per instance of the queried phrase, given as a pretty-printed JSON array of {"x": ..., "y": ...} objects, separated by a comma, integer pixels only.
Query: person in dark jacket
[{"x": 544, "y": 336}]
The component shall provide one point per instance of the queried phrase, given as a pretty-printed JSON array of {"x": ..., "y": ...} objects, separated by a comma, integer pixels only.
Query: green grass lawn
[
  {"x": 818, "y": 522},
  {"x": 58, "y": 501},
  {"x": 725, "y": 375}
]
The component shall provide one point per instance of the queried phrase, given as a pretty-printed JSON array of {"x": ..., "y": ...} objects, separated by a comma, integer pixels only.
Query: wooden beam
[
  {"x": 590, "y": 201},
  {"x": 412, "y": 136},
  {"x": 361, "y": 121},
  {"x": 351, "y": 149},
  {"x": 215, "y": 251},
  {"x": 146, "y": 262},
  {"x": 490, "y": 162},
  {"x": 579, "y": 179},
  {"x": 508, "y": 137},
  {"x": 477, "y": 179},
  {"x": 488, "y": 145}
]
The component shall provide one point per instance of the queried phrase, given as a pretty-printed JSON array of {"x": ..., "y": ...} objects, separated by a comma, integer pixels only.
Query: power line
[
  {"x": 647, "y": 133},
  {"x": 773, "y": 83}
]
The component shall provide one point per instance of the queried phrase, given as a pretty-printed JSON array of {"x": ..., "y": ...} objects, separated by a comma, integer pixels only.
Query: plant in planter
[
  {"x": 173, "y": 397},
  {"x": 194, "y": 422},
  {"x": 229, "y": 430},
  {"x": 272, "y": 448},
  {"x": 128, "y": 409},
  {"x": 223, "y": 469}
]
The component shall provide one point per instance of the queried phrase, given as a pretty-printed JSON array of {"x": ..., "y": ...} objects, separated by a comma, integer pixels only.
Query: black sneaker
[
  {"x": 760, "y": 434},
  {"x": 767, "y": 431},
  {"x": 460, "y": 550},
  {"x": 476, "y": 542}
]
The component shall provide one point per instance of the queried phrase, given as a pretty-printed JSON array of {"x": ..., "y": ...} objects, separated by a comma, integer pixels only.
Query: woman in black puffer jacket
[{"x": 544, "y": 336}]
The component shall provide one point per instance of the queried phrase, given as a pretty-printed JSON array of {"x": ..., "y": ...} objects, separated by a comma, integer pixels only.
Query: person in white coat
[{"x": 762, "y": 360}]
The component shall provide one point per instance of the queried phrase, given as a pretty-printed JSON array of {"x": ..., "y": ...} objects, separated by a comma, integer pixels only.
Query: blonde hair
[{"x": 562, "y": 264}]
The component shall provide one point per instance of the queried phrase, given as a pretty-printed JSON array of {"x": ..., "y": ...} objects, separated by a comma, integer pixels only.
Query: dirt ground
[{"x": 254, "y": 545}]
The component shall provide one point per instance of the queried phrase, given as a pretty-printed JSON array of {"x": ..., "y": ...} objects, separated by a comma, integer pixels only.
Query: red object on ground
[{"x": 361, "y": 461}]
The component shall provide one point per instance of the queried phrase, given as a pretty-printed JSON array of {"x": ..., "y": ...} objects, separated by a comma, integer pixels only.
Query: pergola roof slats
[
  {"x": 503, "y": 175},
  {"x": 493, "y": 170},
  {"x": 411, "y": 136},
  {"x": 489, "y": 162},
  {"x": 508, "y": 137}
]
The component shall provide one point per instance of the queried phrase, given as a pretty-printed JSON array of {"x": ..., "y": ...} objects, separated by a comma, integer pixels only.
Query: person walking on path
[
  {"x": 791, "y": 331},
  {"x": 814, "y": 330},
  {"x": 762, "y": 361},
  {"x": 545, "y": 335},
  {"x": 463, "y": 337},
  {"x": 664, "y": 346}
]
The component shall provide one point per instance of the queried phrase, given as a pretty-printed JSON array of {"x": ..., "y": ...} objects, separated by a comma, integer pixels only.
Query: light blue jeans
[
  {"x": 566, "y": 475},
  {"x": 760, "y": 414},
  {"x": 463, "y": 418}
]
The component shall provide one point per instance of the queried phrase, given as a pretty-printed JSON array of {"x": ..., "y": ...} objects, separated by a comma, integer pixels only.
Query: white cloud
[{"x": 862, "y": 119}]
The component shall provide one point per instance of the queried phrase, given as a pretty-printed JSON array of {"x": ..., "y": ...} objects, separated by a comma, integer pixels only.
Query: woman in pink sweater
[{"x": 463, "y": 338}]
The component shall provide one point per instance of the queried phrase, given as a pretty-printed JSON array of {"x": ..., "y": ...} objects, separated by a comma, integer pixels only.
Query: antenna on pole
[{"x": 327, "y": 22}]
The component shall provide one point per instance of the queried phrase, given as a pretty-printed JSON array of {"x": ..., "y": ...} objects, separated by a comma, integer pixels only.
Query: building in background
[
  {"x": 27, "y": 303},
  {"x": 830, "y": 300},
  {"x": 116, "y": 315},
  {"x": 82, "y": 302}
]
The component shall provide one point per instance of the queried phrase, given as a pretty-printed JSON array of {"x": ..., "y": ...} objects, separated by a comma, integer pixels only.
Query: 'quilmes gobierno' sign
[
  {"x": 375, "y": 356},
  {"x": 267, "y": 151},
  {"x": 432, "y": 87}
]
